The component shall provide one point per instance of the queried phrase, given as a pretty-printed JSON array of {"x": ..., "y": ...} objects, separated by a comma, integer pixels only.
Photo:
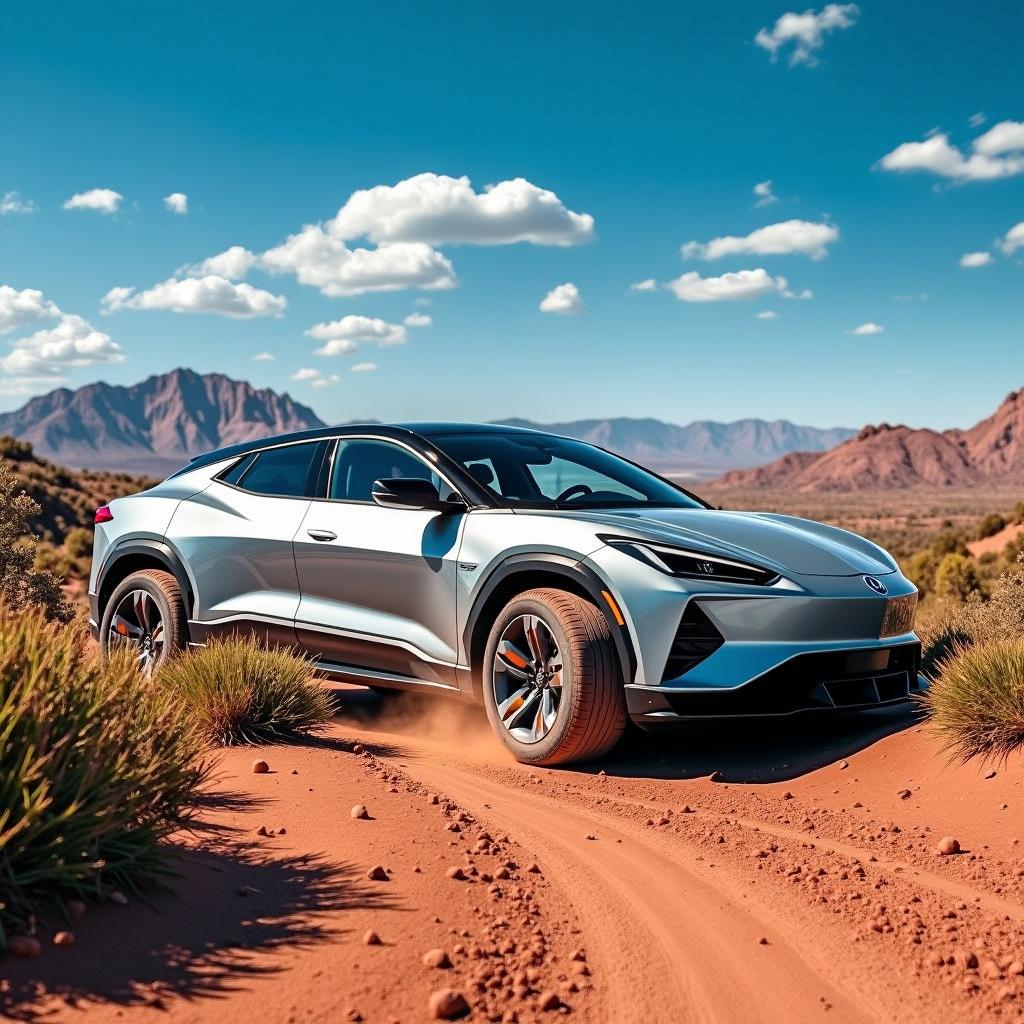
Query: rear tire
[
  {"x": 146, "y": 614},
  {"x": 566, "y": 641}
]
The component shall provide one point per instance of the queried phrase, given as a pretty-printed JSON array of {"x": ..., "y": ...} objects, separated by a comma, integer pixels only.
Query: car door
[
  {"x": 378, "y": 584},
  {"x": 236, "y": 537}
]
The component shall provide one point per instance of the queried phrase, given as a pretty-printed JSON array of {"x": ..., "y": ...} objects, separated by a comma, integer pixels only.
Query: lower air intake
[{"x": 695, "y": 639}]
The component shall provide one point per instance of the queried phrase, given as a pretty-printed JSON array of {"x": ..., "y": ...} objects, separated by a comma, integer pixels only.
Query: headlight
[{"x": 693, "y": 565}]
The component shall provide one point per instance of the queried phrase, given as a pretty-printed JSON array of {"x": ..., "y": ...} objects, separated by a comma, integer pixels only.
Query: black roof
[{"x": 396, "y": 430}]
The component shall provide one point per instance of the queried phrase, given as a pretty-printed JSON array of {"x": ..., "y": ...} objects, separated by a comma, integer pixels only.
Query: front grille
[
  {"x": 695, "y": 639},
  {"x": 830, "y": 679}
]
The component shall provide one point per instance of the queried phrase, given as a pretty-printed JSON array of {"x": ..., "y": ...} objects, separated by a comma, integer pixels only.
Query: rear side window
[{"x": 288, "y": 472}]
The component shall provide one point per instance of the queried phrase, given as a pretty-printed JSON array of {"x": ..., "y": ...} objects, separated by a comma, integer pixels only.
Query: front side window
[
  {"x": 360, "y": 461},
  {"x": 540, "y": 471},
  {"x": 285, "y": 472}
]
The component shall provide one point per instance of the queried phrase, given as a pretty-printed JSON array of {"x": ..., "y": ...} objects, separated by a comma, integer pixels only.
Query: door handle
[{"x": 322, "y": 534}]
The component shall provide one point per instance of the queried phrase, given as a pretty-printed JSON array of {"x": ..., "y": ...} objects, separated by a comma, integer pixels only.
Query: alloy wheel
[
  {"x": 138, "y": 625},
  {"x": 527, "y": 678}
]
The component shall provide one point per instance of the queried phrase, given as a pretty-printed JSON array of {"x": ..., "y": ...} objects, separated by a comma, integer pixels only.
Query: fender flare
[
  {"x": 572, "y": 570},
  {"x": 157, "y": 550}
]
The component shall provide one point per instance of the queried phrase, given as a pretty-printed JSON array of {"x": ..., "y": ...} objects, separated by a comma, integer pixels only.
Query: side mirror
[{"x": 413, "y": 493}]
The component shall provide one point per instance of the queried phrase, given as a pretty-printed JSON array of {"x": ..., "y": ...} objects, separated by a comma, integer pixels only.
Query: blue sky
[{"x": 655, "y": 120}]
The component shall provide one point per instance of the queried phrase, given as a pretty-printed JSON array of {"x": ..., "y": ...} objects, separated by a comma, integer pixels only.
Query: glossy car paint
[{"x": 385, "y": 594}]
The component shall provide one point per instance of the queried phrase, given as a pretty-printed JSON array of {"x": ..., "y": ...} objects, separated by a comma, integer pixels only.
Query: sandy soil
[
  {"x": 735, "y": 873},
  {"x": 997, "y": 541}
]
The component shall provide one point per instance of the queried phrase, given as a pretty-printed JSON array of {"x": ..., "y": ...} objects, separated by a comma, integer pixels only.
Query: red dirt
[{"x": 734, "y": 873}]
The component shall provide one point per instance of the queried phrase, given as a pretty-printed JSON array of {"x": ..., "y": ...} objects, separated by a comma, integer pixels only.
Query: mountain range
[
  {"x": 991, "y": 452},
  {"x": 154, "y": 426},
  {"x": 158, "y": 424}
]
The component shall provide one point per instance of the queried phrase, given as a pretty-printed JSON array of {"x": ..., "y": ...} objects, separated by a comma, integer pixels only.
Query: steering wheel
[{"x": 579, "y": 490}]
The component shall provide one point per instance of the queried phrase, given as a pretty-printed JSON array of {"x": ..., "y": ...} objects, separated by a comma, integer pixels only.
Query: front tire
[
  {"x": 146, "y": 615},
  {"x": 551, "y": 679}
]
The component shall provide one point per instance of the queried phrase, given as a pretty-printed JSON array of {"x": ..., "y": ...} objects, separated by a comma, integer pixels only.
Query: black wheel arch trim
[
  {"x": 569, "y": 568},
  {"x": 158, "y": 551}
]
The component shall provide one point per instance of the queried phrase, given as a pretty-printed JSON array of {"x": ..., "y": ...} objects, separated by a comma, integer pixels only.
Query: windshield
[{"x": 539, "y": 471}]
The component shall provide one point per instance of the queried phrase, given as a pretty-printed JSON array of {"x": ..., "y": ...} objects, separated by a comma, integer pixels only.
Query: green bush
[
  {"x": 21, "y": 584},
  {"x": 977, "y": 702},
  {"x": 97, "y": 767},
  {"x": 956, "y": 578},
  {"x": 240, "y": 691},
  {"x": 991, "y": 524},
  {"x": 78, "y": 542}
]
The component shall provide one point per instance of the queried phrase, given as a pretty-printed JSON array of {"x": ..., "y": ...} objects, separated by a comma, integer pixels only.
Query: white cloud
[
  {"x": 806, "y": 31},
  {"x": 363, "y": 367},
  {"x": 975, "y": 259},
  {"x": 417, "y": 320},
  {"x": 20, "y": 308},
  {"x": 998, "y": 153},
  {"x": 210, "y": 294},
  {"x": 324, "y": 262},
  {"x": 103, "y": 200},
  {"x": 438, "y": 209},
  {"x": 233, "y": 263},
  {"x": 264, "y": 357},
  {"x": 868, "y": 328},
  {"x": 739, "y": 286},
  {"x": 785, "y": 238},
  {"x": 341, "y": 337},
  {"x": 564, "y": 298},
  {"x": 11, "y": 202},
  {"x": 764, "y": 193},
  {"x": 977, "y": 120},
  {"x": 176, "y": 202},
  {"x": 1013, "y": 239},
  {"x": 767, "y": 314},
  {"x": 315, "y": 378},
  {"x": 72, "y": 342},
  {"x": 647, "y": 285}
]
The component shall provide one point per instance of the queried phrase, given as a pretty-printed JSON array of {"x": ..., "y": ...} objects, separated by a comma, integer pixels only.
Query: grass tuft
[
  {"x": 238, "y": 690},
  {"x": 97, "y": 767},
  {"x": 977, "y": 699}
]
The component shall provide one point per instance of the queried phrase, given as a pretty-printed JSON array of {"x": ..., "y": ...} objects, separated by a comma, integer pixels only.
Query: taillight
[{"x": 102, "y": 515}]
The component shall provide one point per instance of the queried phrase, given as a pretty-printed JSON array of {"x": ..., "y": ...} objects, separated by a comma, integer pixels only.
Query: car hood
[{"x": 781, "y": 542}]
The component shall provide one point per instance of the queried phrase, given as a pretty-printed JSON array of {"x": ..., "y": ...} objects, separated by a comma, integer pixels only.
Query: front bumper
[{"x": 814, "y": 681}]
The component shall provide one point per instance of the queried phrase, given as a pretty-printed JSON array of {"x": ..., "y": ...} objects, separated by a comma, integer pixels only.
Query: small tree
[
  {"x": 20, "y": 582},
  {"x": 956, "y": 578}
]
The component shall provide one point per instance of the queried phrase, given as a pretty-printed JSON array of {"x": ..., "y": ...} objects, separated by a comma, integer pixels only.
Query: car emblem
[{"x": 876, "y": 585}]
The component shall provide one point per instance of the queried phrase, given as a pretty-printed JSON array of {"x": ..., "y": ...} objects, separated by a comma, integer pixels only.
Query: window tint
[
  {"x": 281, "y": 471},
  {"x": 542, "y": 471},
  {"x": 358, "y": 463},
  {"x": 237, "y": 471}
]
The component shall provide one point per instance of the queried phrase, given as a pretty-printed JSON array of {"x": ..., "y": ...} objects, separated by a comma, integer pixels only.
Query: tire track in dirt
[{"x": 667, "y": 943}]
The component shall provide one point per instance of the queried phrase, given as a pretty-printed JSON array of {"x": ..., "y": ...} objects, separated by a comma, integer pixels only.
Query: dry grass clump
[
  {"x": 97, "y": 767},
  {"x": 974, "y": 656},
  {"x": 239, "y": 690},
  {"x": 977, "y": 701}
]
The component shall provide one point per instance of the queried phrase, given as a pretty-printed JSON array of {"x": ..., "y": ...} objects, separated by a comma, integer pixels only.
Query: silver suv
[{"x": 568, "y": 589}]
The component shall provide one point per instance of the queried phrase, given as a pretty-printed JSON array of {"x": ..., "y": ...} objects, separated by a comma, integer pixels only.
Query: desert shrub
[
  {"x": 21, "y": 584},
  {"x": 956, "y": 578},
  {"x": 78, "y": 542},
  {"x": 239, "y": 690},
  {"x": 992, "y": 523},
  {"x": 97, "y": 767},
  {"x": 977, "y": 702}
]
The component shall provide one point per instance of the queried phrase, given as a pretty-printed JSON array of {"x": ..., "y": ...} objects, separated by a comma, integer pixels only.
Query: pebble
[
  {"x": 360, "y": 811},
  {"x": 762, "y": 941},
  {"x": 64, "y": 938},
  {"x": 549, "y": 1001},
  {"x": 118, "y": 897},
  {"x": 947, "y": 847},
  {"x": 377, "y": 874},
  {"x": 24, "y": 946},
  {"x": 436, "y": 958},
  {"x": 76, "y": 909},
  {"x": 904, "y": 794},
  {"x": 456, "y": 873},
  {"x": 260, "y": 767},
  {"x": 447, "y": 1004},
  {"x": 358, "y": 748},
  {"x": 371, "y": 938}
]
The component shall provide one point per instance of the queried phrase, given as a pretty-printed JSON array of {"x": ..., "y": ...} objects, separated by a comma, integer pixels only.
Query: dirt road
[{"x": 729, "y": 874}]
